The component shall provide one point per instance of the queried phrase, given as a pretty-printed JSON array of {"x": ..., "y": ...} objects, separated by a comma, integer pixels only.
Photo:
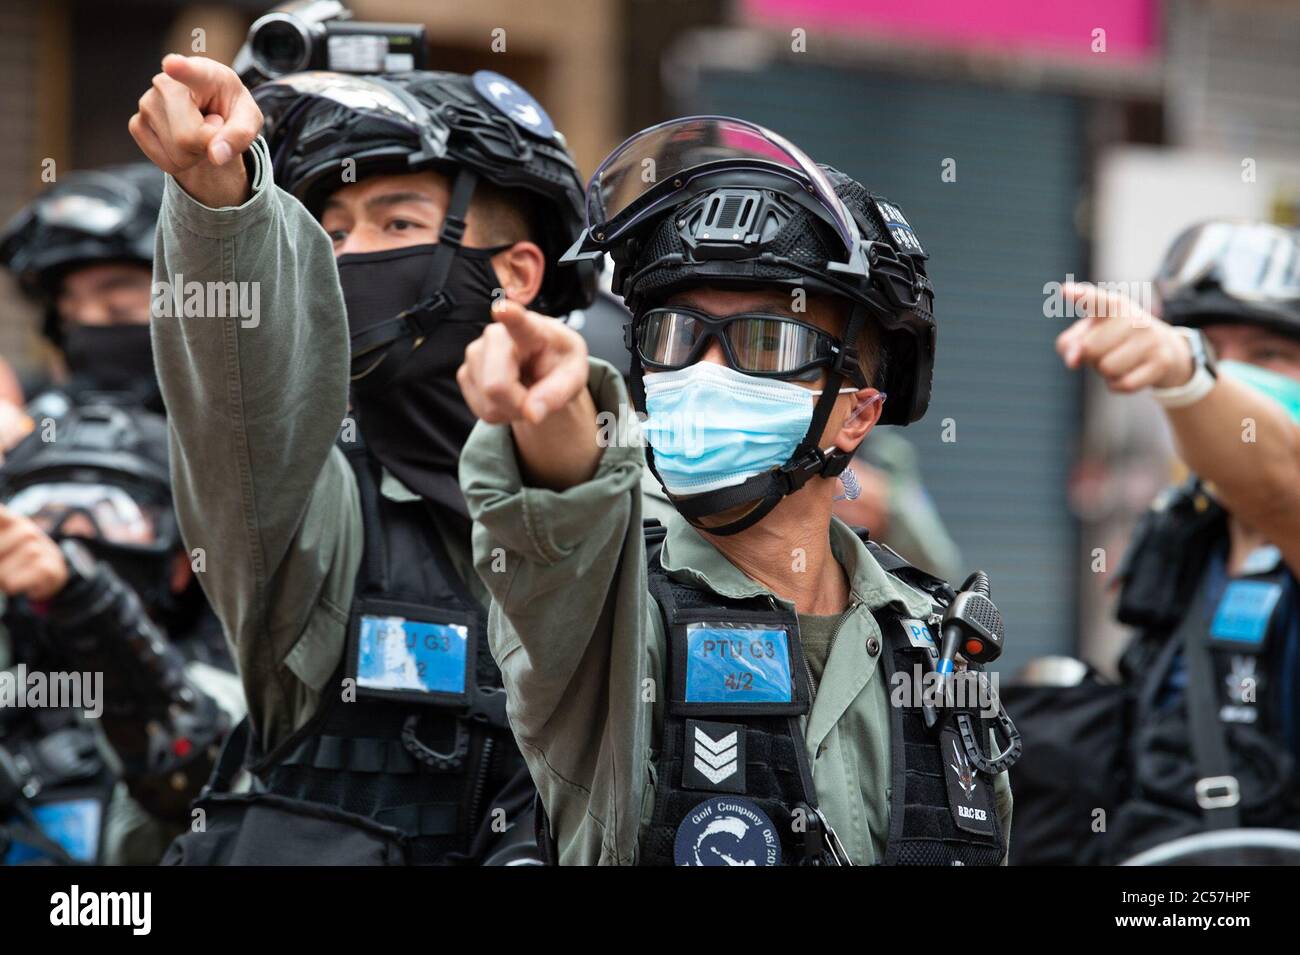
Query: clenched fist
[
  {"x": 1128, "y": 346},
  {"x": 194, "y": 122},
  {"x": 31, "y": 564}
]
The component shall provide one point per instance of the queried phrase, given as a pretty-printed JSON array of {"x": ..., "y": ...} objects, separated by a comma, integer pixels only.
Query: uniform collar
[{"x": 688, "y": 554}]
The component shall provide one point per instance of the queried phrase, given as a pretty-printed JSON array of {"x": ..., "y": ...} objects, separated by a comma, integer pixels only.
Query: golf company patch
[
  {"x": 726, "y": 830},
  {"x": 967, "y": 797},
  {"x": 518, "y": 105},
  {"x": 715, "y": 757}
]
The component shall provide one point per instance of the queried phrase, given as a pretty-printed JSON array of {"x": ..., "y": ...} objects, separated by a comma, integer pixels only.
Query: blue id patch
[
  {"x": 72, "y": 823},
  {"x": 737, "y": 665},
  {"x": 1244, "y": 611},
  {"x": 397, "y": 654}
]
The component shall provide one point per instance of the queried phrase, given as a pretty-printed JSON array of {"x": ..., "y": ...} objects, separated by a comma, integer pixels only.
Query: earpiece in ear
[{"x": 852, "y": 486}]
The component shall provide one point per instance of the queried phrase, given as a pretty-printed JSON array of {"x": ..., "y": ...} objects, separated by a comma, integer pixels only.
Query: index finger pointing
[
  {"x": 522, "y": 326},
  {"x": 207, "y": 79}
]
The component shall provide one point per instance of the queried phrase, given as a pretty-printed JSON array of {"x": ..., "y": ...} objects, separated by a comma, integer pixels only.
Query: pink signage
[{"x": 1132, "y": 27}]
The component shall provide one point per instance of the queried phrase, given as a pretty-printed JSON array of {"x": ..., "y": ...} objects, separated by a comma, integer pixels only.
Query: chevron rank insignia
[{"x": 715, "y": 757}]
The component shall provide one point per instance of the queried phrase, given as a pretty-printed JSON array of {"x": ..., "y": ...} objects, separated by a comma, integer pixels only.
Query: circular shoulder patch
[
  {"x": 727, "y": 830},
  {"x": 515, "y": 102}
]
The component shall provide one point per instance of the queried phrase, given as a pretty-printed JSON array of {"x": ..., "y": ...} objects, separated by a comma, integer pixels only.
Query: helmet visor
[
  {"x": 96, "y": 205},
  {"x": 96, "y": 511},
  {"x": 1254, "y": 261},
  {"x": 364, "y": 95},
  {"x": 644, "y": 174}
]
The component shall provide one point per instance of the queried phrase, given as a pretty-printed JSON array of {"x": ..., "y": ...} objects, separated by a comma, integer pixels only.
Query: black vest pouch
[
  {"x": 266, "y": 828},
  {"x": 733, "y": 785},
  {"x": 943, "y": 810}
]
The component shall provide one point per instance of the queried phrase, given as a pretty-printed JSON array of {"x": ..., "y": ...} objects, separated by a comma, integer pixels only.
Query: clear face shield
[
  {"x": 652, "y": 169},
  {"x": 360, "y": 98}
]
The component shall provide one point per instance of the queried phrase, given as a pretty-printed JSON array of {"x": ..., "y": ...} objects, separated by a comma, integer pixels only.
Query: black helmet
[
  {"x": 100, "y": 215},
  {"x": 1232, "y": 272},
  {"x": 107, "y": 464},
  {"x": 465, "y": 126},
  {"x": 712, "y": 200}
]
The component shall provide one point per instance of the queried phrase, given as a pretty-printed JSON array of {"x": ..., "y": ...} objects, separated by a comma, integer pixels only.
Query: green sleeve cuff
[
  {"x": 223, "y": 223},
  {"x": 542, "y": 525}
]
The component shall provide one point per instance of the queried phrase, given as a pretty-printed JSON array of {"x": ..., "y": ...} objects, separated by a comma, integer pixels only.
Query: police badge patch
[
  {"x": 726, "y": 830},
  {"x": 968, "y": 797},
  {"x": 515, "y": 102}
]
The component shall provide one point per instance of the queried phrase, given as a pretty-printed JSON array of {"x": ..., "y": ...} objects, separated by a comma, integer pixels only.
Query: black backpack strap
[
  {"x": 1218, "y": 792},
  {"x": 234, "y": 751}
]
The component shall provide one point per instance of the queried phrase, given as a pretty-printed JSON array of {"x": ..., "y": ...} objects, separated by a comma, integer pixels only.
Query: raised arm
[
  {"x": 255, "y": 391},
  {"x": 557, "y": 541},
  {"x": 1234, "y": 437}
]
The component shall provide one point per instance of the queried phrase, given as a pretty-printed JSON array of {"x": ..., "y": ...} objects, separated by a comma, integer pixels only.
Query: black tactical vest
[
  {"x": 733, "y": 779},
  {"x": 409, "y": 752},
  {"x": 1211, "y": 752}
]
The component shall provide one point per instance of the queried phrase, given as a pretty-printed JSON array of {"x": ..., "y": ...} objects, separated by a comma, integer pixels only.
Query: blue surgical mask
[
  {"x": 712, "y": 427},
  {"x": 1281, "y": 388}
]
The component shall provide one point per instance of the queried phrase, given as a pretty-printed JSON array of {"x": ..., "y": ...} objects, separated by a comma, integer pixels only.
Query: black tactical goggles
[{"x": 756, "y": 343}]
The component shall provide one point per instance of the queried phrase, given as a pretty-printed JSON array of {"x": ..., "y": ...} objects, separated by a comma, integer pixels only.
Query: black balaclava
[
  {"x": 413, "y": 417},
  {"x": 116, "y": 358}
]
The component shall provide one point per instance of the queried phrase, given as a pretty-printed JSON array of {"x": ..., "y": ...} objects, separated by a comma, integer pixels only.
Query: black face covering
[
  {"x": 411, "y": 412},
  {"x": 115, "y": 358}
]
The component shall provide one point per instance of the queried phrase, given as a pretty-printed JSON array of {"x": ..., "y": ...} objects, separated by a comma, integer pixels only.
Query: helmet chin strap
[
  {"x": 376, "y": 345},
  {"x": 809, "y": 459}
]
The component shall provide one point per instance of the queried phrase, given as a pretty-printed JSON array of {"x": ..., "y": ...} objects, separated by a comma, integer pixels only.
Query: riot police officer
[
  {"x": 729, "y": 694},
  {"x": 96, "y": 581},
  {"x": 342, "y": 574},
  {"x": 1209, "y": 581},
  {"x": 82, "y": 250}
]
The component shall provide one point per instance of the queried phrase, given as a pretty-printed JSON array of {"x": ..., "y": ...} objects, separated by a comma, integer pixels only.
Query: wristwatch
[{"x": 1204, "y": 372}]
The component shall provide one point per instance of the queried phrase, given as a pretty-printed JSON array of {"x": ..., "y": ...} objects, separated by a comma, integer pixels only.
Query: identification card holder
[
  {"x": 747, "y": 665},
  {"x": 1244, "y": 615},
  {"x": 413, "y": 653},
  {"x": 71, "y": 818}
]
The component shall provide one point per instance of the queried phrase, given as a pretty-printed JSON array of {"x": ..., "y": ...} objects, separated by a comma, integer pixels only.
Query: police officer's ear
[
  {"x": 520, "y": 269},
  {"x": 862, "y": 411}
]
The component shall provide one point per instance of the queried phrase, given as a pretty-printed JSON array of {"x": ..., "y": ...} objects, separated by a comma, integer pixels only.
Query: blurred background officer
[
  {"x": 95, "y": 579},
  {"x": 1210, "y": 577},
  {"x": 437, "y": 192},
  {"x": 82, "y": 251},
  {"x": 735, "y": 711}
]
